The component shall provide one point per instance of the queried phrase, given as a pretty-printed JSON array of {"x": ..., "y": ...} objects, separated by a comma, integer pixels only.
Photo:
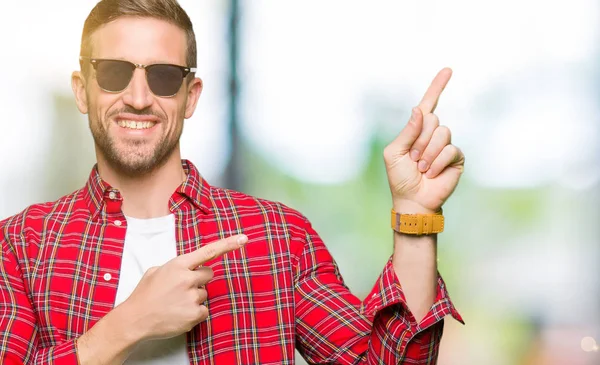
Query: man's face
[{"x": 136, "y": 131}]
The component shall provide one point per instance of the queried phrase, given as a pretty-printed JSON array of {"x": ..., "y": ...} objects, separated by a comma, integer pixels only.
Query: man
[{"x": 149, "y": 264}]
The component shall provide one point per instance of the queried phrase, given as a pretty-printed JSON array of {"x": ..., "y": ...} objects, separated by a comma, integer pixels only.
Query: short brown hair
[{"x": 168, "y": 10}]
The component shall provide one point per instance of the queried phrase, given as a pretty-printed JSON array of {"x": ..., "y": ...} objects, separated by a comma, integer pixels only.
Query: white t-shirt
[{"x": 150, "y": 242}]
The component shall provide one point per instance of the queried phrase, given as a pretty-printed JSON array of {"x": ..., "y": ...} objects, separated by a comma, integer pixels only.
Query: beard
[{"x": 134, "y": 157}]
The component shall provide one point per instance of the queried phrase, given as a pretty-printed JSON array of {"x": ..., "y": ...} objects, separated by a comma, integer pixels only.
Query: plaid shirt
[{"x": 60, "y": 266}]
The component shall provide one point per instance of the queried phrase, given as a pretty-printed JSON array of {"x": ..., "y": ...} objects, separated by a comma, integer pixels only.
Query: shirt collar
[{"x": 100, "y": 196}]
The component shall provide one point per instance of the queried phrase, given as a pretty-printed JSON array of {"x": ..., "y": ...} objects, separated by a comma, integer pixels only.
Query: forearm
[
  {"x": 110, "y": 340},
  {"x": 415, "y": 264},
  {"x": 376, "y": 331},
  {"x": 395, "y": 338}
]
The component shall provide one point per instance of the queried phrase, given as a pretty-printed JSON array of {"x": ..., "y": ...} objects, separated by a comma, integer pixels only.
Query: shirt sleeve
[
  {"x": 19, "y": 341},
  {"x": 335, "y": 327}
]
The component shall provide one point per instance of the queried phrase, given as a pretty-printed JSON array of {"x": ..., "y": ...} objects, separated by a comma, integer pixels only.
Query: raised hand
[
  {"x": 168, "y": 301},
  {"x": 422, "y": 164}
]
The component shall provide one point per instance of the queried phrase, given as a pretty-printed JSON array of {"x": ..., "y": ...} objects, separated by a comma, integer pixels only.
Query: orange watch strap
[{"x": 417, "y": 224}]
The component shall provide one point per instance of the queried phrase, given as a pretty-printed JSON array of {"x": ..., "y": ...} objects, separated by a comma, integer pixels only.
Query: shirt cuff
[
  {"x": 63, "y": 354},
  {"x": 388, "y": 292}
]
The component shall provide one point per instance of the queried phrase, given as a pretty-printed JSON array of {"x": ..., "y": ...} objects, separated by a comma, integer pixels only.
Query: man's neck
[{"x": 146, "y": 196}]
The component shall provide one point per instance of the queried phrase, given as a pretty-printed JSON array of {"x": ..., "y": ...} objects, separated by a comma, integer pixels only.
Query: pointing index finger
[
  {"x": 432, "y": 95},
  {"x": 212, "y": 250}
]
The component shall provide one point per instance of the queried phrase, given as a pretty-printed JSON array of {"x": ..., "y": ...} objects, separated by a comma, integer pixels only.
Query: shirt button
[
  {"x": 118, "y": 223},
  {"x": 112, "y": 195},
  {"x": 107, "y": 277}
]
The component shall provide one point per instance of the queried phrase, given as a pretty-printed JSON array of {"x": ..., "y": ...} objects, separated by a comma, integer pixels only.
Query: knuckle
[
  {"x": 432, "y": 119},
  {"x": 453, "y": 150},
  {"x": 203, "y": 278},
  {"x": 192, "y": 320},
  {"x": 444, "y": 131},
  {"x": 206, "y": 273},
  {"x": 202, "y": 295},
  {"x": 176, "y": 261},
  {"x": 150, "y": 271},
  {"x": 195, "y": 295},
  {"x": 189, "y": 280},
  {"x": 204, "y": 270},
  {"x": 211, "y": 252},
  {"x": 457, "y": 154},
  {"x": 192, "y": 297},
  {"x": 210, "y": 274},
  {"x": 202, "y": 313}
]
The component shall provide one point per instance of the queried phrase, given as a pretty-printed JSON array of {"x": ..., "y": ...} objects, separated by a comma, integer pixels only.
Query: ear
[
  {"x": 78, "y": 86},
  {"x": 194, "y": 91}
]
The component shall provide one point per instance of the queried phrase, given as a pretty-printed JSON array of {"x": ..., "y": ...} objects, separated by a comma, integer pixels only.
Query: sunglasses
[{"x": 113, "y": 76}]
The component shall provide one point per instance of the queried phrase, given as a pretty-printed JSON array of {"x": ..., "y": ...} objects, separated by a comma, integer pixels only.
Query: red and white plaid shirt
[{"x": 60, "y": 267}]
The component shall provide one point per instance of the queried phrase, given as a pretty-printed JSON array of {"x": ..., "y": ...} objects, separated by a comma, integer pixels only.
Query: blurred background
[{"x": 300, "y": 98}]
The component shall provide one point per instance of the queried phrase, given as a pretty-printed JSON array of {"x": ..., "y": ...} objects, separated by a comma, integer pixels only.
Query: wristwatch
[{"x": 418, "y": 224}]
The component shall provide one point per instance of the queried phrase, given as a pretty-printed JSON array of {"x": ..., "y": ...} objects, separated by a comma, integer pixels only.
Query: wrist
[
  {"x": 110, "y": 340},
  {"x": 405, "y": 206},
  {"x": 126, "y": 319},
  {"x": 411, "y": 218}
]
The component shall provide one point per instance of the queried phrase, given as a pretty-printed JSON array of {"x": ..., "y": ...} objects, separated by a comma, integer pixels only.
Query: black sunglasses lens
[
  {"x": 113, "y": 75},
  {"x": 164, "y": 80}
]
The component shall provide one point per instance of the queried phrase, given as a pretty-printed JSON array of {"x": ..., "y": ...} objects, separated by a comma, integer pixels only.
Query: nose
[{"x": 138, "y": 94}]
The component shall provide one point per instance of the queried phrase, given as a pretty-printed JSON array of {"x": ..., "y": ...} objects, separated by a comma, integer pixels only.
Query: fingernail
[
  {"x": 242, "y": 240},
  {"x": 429, "y": 174},
  {"x": 422, "y": 165},
  {"x": 414, "y": 155}
]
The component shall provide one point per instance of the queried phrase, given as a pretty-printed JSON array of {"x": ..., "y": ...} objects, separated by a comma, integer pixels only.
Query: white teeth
[{"x": 135, "y": 125}]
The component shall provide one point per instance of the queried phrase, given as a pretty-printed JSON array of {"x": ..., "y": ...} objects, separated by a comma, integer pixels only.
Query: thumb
[{"x": 409, "y": 134}]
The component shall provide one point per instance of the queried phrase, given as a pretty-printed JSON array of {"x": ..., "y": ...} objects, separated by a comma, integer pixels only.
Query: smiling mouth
[{"x": 131, "y": 124}]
